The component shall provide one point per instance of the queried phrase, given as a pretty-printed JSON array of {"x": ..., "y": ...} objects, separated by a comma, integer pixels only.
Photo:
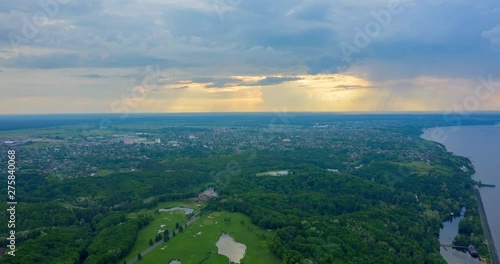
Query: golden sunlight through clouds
[{"x": 333, "y": 92}]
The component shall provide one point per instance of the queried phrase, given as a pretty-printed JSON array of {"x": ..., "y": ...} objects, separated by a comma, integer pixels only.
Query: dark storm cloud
[
  {"x": 181, "y": 88},
  {"x": 75, "y": 60},
  {"x": 92, "y": 76},
  {"x": 275, "y": 80},
  {"x": 286, "y": 37},
  {"x": 350, "y": 87},
  {"x": 215, "y": 82}
]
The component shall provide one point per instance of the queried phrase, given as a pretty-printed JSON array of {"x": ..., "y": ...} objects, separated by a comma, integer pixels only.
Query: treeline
[
  {"x": 119, "y": 191},
  {"x": 86, "y": 217},
  {"x": 107, "y": 240},
  {"x": 381, "y": 235},
  {"x": 112, "y": 243},
  {"x": 65, "y": 245},
  {"x": 336, "y": 218},
  {"x": 389, "y": 211}
]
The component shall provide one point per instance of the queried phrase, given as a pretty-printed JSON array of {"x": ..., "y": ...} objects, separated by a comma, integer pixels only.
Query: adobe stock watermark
[
  {"x": 372, "y": 29},
  {"x": 223, "y": 6},
  {"x": 129, "y": 101},
  {"x": 139, "y": 93},
  {"x": 233, "y": 168},
  {"x": 483, "y": 91},
  {"x": 279, "y": 115},
  {"x": 30, "y": 27}
]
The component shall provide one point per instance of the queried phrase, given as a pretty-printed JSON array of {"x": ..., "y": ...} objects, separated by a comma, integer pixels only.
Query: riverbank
[
  {"x": 486, "y": 230},
  {"x": 481, "y": 150}
]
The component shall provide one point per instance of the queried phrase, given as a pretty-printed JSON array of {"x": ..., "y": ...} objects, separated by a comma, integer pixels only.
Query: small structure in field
[{"x": 472, "y": 251}]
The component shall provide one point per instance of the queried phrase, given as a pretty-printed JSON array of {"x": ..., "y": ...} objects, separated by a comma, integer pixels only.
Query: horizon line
[{"x": 264, "y": 112}]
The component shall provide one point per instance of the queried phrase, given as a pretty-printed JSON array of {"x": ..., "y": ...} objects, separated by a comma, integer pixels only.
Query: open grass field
[
  {"x": 167, "y": 219},
  {"x": 273, "y": 173},
  {"x": 423, "y": 167},
  {"x": 196, "y": 244}
]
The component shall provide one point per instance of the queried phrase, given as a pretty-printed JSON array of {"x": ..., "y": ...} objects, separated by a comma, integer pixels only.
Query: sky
[{"x": 136, "y": 56}]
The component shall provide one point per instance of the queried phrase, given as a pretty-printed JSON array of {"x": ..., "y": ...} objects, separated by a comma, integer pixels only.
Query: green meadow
[
  {"x": 196, "y": 244},
  {"x": 162, "y": 221}
]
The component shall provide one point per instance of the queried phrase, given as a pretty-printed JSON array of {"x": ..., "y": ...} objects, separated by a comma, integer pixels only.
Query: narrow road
[
  {"x": 155, "y": 245},
  {"x": 486, "y": 230}
]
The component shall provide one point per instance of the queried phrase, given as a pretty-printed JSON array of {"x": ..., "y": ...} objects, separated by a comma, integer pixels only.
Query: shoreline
[
  {"x": 486, "y": 230},
  {"x": 493, "y": 255}
]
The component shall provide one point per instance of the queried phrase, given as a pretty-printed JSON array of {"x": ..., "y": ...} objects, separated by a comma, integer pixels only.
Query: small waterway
[
  {"x": 187, "y": 210},
  {"x": 228, "y": 247},
  {"x": 446, "y": 236}
]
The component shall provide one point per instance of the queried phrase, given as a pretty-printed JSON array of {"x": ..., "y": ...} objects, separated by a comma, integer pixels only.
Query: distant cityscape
[{"x": 72, "y": 156}]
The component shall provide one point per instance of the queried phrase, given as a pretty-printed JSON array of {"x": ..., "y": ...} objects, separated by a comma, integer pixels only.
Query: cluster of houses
[{"x": 207, "y": 194}]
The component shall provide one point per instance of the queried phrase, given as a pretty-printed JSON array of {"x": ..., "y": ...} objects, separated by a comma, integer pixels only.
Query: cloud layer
[{"x": 217, "y": 55}]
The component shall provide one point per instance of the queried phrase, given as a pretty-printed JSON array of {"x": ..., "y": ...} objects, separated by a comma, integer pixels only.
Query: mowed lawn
[
  {"x": 196, "y": 244},
  {"x": 169, "y": 219}
]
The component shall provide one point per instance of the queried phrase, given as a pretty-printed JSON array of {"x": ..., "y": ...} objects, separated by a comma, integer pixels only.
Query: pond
[
  {"x": 274, "y": 173},
  {"x": 228, "y": 247},
  {"x": 187, "y": 210},
  {"x": 446, "y": 236}
]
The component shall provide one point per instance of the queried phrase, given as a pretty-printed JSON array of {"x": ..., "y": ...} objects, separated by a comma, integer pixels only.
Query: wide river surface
[{"x": 481, "y": 144}]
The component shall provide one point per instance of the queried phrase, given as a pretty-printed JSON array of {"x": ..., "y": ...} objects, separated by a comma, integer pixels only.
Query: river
[{"x": 481, "y": 144}]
